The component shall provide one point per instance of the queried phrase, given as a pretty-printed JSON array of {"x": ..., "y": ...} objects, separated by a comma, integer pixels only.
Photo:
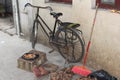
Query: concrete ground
[
  {"x": 11, "y": 48},
  {"x": 7, "y": 25}
]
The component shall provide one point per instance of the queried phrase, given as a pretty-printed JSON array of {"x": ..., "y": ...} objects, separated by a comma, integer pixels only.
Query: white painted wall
[
  {"x": 105, "y": 48},
  {"x": 15, "y": 16},
  {"x": 26, "y": 19}
]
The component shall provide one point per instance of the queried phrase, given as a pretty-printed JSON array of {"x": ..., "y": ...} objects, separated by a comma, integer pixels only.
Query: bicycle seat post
[{"x": 37, "y": 11}]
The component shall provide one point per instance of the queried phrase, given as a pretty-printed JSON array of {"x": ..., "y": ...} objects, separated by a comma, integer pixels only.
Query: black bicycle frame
[{"x": 51, "y": 31}]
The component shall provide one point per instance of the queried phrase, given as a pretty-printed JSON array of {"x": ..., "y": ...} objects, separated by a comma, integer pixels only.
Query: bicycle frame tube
[
  {"x": 44, "y": 23},
  {"x": 40, "y": 20},
  {"x": 54, "y": 28},
  {"x": 51, "y": 31}
]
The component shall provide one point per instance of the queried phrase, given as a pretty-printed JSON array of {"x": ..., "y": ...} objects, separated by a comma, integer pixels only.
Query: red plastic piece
[{"x": 81, "y": 70}]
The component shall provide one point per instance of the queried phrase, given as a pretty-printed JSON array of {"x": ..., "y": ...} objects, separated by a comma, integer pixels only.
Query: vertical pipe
[{"x": 19, "y": 19}]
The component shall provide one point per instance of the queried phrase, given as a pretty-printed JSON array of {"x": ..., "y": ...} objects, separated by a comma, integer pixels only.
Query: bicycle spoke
[{"x": 71, "y": 46}]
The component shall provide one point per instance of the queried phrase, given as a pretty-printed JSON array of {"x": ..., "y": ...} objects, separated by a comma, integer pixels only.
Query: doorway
[{"x": 6, "y": 17}]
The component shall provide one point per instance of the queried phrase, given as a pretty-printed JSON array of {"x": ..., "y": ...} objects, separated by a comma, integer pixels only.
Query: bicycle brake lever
[
  {"x": 27, "y": 4},
  {"x": 24, "y": 11},
  {"x": 50, "y": 8}
]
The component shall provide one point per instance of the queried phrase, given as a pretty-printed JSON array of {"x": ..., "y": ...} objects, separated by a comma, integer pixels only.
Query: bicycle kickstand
[
  {"x": 66, "y": 63},
  {"x": 51, "y": 50}
]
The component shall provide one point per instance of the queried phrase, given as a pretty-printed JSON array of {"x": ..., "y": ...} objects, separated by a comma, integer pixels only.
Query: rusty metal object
[
  {"x": 36, "y": 71},
  {"x": 50, "y": 67},
  {"x": 63, "y": 74},
  {"x": 60, "y": 76},
  {"x": 86, "y": 78},
  {"x": 28, "y": 64},
  {"x": 43, "y": 71},
  {"x": 53, "y": 76}
]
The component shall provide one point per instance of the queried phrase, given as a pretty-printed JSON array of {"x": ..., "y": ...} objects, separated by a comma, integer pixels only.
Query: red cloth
[
  {"x": 36, "y": 71},
  {"x": 39, "y": 71}
]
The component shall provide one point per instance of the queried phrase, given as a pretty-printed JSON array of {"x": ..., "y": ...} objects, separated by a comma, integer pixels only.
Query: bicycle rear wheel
[
  {"x": 34, "y": 34},
  {"x": 70, "y": 45}
]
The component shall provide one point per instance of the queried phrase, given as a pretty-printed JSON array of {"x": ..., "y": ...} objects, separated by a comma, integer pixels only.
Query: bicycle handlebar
[{"x": 47, "y": 7}]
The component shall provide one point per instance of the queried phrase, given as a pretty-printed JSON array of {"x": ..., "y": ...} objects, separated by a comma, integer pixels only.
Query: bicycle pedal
[{"x": 51, "y": 51}]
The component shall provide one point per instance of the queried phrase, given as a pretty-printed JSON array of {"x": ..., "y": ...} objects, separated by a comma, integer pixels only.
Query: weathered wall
[{"x": 104, "y": 52}]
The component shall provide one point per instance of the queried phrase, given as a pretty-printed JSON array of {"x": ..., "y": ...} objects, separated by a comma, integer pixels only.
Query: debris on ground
[
  {"x": 50, "y": 67},
  {"x": 39, "y": 71},
  {"x": 63, "y": 74},
  {"x": 102, "y": 75},
  {"x": 27, "y": 63},
  {"x": 86, "y": 78},
  {"x": 36, "y": 62}
]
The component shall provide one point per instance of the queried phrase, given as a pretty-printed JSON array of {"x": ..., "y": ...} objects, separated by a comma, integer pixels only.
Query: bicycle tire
[
  {"x": 34, "y": 34},
  {"x": 73, "y": 47}
]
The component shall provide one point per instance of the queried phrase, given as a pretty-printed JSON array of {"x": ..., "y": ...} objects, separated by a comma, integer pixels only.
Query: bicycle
[{"x": 66, "y": 38}]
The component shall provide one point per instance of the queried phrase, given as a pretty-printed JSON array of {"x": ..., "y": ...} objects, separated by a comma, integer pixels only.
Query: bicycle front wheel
[
  {"x": 34, "y": 34},
  {"x": 70, "y": 45}
]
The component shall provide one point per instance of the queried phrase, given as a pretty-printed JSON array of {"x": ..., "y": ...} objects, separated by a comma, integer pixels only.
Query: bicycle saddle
[
  {"x": 56, "y": 15},
  {"x": 70, "y": 25}
]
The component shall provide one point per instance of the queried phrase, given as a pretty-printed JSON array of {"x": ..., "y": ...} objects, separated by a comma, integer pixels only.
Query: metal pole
[{"x": 19, "y": 19}]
